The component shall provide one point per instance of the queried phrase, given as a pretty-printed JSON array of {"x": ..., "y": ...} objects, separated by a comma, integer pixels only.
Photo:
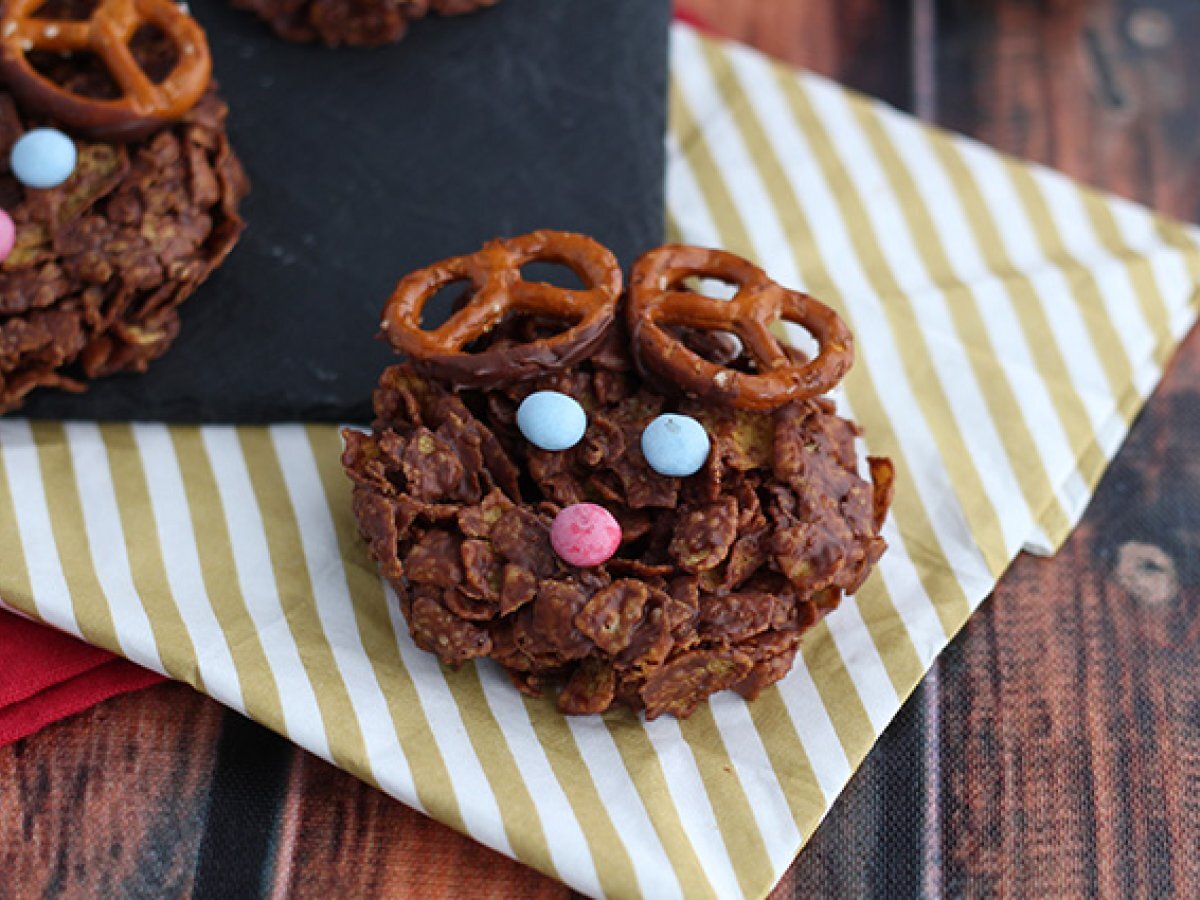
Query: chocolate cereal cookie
[
  {"x": 98, "y": 263},
  {"x": 599, "y": 569},
  {"x": 360, "y": 23}
]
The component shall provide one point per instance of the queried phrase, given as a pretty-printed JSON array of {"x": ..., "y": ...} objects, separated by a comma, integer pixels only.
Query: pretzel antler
[
  {"x": 144, "y": 104},
  {"x": 658, "y": 299},
  {"x": 498, "y": 291}
]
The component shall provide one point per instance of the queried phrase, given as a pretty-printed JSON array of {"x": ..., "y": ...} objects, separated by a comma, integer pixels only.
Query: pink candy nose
[{"x": 585, "y": 534}]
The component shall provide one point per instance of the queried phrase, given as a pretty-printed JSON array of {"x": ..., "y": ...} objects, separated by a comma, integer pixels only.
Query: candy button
[
  {"x": 43, "y": 158},
  {"x": 675, "y": 445},
  {"x": 585, "y": 534},
  {"x": 8, "y": 235},
  {"x": 551, "y": 421}
]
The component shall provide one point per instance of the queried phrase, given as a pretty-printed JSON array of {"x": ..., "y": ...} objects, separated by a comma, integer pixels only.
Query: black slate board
[{"x": 366, "y": 164}]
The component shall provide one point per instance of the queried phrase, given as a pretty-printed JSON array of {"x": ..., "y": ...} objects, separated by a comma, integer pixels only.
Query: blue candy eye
[
  {"x": 675, "y": 445},
  {"x": 42, "y": 158},
  {"x": 551, "y": 421}
]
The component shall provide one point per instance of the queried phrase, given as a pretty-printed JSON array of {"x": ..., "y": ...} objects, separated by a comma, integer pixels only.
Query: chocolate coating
[
  {"x": 718, "y": 574},
  {"x": 102, "y": 262},
  {"x": 497, "y": 292},
  {"x": 356, "y": 23}
]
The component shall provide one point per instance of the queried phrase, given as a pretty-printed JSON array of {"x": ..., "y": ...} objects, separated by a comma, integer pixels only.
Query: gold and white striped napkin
[{"x": 1009, "y": 324}]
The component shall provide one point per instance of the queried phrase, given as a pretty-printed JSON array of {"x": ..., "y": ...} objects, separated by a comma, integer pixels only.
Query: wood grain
[
  {"x": 862, "y": 43},
  {"x": 1104, "y": 90},
  {"x": 112, "y": 802},
  {"x": 339, "y": 835},
  {"x": 1072, "y": 754}
]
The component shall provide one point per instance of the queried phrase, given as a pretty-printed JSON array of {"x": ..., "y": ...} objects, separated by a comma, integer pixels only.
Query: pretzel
[
  {"x": 658, "y": 299},
  {"x": 144, "y": 104},
  {"x": 498, "y": 292}
]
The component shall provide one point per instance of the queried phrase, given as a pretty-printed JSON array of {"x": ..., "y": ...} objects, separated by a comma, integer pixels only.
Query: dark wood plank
[
  {"x": 1105, "y": 90},
  {"x": 338, "y": 835},
  {"x": 862, "y": 43},
  {"x": 1071, "y": 727},
  {"x": 111, "y": 802}
]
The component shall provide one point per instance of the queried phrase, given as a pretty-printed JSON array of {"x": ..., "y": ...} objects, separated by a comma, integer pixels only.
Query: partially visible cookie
[
  {"x": 101, "y": 262},
  {"x": 357, "y": 23}
]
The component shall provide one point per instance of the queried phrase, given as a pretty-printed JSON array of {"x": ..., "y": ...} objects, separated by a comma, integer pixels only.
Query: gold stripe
[
  {"x": 673, "y": 234},
  {"x": 175, "y": 647},
  {"x": 296, "y": 597},
  {"x": 741, "y": 832},
  {"x": 1141, "y": 273},
  {"x": 614, "y": 866},
  {"x": 880, "y": 612},
  {"x": 908, "y": 510},
  {"x": 959, "y": 462},
  {"x": 1003, "y": 408},
  {"x": 162, "y": 647},
  {"x": 431, "y": 777},
  {"x": 1190, "y": 252},
  {"x": 260, "y": 692},
  {"x": 1177, "y": 237},
  {"x": 785, "y": 750},
  {"x": 521, "y": 816},
  {"x": 838, "y": 692},
  {"x": 723, "y": 210},
  {"x": 1082, "y": 286},
  {"x": 70, "y": 536},
  {"x": 644, "y": 767},
  {"x": 1045, "y": 352},
  {"x": 1174, "y": 234},
  {"x": 17, "y": 591},
  {"x": 1145, "y": 286}
]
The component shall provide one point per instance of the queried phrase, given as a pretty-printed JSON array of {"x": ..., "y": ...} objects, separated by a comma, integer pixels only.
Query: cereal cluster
[
  {"x": 717, "y": 576},
  {"x": 361, "y": 23},
  {"x": 101, "y": 262}
]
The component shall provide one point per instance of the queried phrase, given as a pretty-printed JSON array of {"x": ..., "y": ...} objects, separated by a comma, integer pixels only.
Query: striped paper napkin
[{"x": 1009, "y": 326}]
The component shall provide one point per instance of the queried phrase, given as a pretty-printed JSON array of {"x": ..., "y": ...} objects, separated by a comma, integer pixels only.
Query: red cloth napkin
[
  {"x": 46, "y": 676},
  {"x": 690, "y": 18}
]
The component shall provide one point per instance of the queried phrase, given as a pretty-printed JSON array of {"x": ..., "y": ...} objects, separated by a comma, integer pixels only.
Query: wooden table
[{"x": 1054, "y": 749}]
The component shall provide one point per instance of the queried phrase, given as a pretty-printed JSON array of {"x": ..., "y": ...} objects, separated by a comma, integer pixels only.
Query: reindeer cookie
[{"x": 636, "y": 498}]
